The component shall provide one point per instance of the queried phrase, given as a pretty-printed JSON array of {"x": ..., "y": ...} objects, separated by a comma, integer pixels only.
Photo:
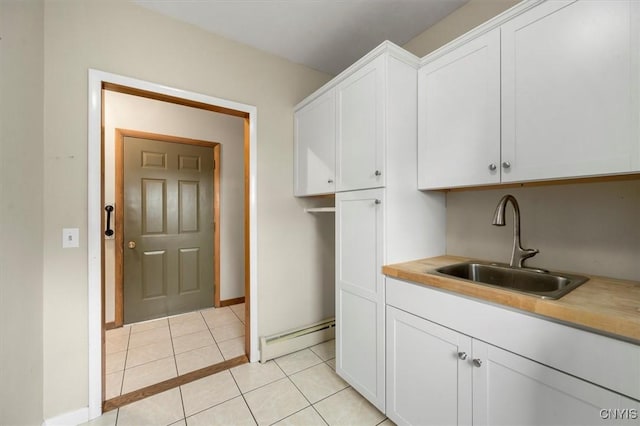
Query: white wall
[
  {"x": 122, "y": 38},
  {"x": 135, "y": 113},
  {"x": 21, "y": 213},
  {"x": 457, "y": 23}
]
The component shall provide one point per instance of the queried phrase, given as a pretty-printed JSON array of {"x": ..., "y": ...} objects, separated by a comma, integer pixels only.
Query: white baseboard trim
[{"x": 72, "y": 418}]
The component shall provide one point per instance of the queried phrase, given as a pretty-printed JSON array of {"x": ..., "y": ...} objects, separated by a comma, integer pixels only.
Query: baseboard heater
[{"x": 296, "y": 340}]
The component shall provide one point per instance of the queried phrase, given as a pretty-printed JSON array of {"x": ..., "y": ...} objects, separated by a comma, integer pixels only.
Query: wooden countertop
[{"x": 605, "y": 305}]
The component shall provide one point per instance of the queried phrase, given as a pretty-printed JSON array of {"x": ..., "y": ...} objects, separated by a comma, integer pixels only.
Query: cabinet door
[
  {"x": 511, "y": 390},
  {"x": 314, "y": 147},
  {"x": 360, "y": 292},
  {"x": 459, "y": 116},
  {"x": 360, "y": 136},
  {"x": 570, "y": 90},
  {"x": 428, "y": 372}
]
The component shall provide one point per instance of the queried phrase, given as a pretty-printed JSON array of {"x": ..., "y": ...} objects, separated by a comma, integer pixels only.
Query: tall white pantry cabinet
[{"x": 380, "y": 215}]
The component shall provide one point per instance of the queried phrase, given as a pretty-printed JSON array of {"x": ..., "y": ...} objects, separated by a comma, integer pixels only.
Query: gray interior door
[{"x": 168, "y": 228}]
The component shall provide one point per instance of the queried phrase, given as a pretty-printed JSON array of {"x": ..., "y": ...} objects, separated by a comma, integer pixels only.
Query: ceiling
[{"x": 326, "y": 35}]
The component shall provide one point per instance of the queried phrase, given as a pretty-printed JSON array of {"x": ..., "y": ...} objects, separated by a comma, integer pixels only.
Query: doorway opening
[{"x": 98, "y": 82}]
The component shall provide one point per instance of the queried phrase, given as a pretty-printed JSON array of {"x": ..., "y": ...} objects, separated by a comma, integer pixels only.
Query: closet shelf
[{"x": 321, "y": 210}]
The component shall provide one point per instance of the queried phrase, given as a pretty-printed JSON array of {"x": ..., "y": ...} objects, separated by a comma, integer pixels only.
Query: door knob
[
  {"x": 492, "y": 167},
  {"x": 506, "y": 164},
  {"x": 477, "y": 362},
  {"x": 378, "y": 173},
  {"x": 462, "y": 355},
  {"x": 131, "y": 244}
]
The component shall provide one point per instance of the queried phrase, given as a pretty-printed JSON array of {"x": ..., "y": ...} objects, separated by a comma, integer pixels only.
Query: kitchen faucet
[{"x": 519, "y": 254}]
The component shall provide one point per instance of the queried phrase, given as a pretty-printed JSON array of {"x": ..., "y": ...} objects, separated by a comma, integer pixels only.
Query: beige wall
[
  {"x": 147, "y": 115},
  {"x": 457, "y": 23},
  {"x": 121, "y": 38},
  {"x": 21, "y": 216},
  {"x": 590, "y": 228}
]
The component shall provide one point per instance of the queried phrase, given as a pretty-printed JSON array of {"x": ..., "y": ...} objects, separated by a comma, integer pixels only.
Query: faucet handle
[{"x": 524, "y": 254}]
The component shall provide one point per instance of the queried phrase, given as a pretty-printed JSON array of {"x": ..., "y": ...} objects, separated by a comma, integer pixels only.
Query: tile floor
[
  {"x": 297, "y": 389},
  {"x": 146, "y": 353}
]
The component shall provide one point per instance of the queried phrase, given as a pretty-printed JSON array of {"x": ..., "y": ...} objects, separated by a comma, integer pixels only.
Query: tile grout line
[
  {"x": 214, "y": 405},
  {"x": 184, "y": 412},
  {"x": 302, "y": 393},
  {"x": 215, "y": 342},
  {"x": 175, "y": 360},
  {"x": 261, "y": 386},
  {"x": 305, "y": 368},
  {"x": 234, "y": 313},
  {"x": 313, "y": 405},
  {"x": 300, "y": 390},
  {"x": 124, "y": 367},
  {"x": 242, "y": 395}
]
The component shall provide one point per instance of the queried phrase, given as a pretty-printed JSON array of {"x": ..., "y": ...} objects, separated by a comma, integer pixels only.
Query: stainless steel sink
[{"x": 545, "y": 284}]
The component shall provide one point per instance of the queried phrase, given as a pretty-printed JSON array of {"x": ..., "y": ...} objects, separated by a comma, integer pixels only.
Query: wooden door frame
[
  {"x": 120, "y": 134},
  {"x": 98, "y": 81}
]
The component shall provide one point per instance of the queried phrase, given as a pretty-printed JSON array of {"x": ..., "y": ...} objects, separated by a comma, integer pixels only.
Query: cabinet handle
[
  {"x": 378, "y": 201},
  {"x": 462, "y": 355},
  {"x": 330, "y": 181},
  {"x": 506, "y": 164},
  {"x": 477, "y": 362},
  {"x": 492, "y": 167},
  {"x": 378, "y": 173}
]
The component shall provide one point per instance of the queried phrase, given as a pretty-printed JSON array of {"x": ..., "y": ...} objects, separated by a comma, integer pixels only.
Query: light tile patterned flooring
[
  {"x": 147, "y": 353},
  {"x": 297, "y": 389}
]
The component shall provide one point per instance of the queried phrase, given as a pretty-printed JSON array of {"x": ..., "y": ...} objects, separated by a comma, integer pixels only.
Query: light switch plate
[{"x": 70, "y": 237}]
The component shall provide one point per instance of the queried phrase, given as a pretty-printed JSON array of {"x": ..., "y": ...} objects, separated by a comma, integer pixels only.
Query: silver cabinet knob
[
  {"x": 492, "y": 166},
  {"x": 131, "y": 244},
  {"x": 330, "y": 181},
  {"x": 477, "y": 362},
  {"x": 378, "y": 173},
  {"x": 462, "y": 355},
  {"x": 506, "y": 164},
  {"x": 378, "y": 201}
]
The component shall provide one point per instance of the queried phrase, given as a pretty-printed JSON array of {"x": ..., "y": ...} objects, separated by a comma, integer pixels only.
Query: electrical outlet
[{"x": 70, "y": 237}]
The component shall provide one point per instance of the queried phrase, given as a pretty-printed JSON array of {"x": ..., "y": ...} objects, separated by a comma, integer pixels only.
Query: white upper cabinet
[
  {"x": 570, "y": 90},
  {"x": 360, "y": 134},
  {"x": 459, "y": 116},
  {"x": 566, "y": 105},
  {"x": 361, "y": 115},
  {"x": 314, "y": 147}
]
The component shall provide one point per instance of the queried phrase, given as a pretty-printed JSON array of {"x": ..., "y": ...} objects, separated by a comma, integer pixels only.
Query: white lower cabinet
[
  {"x": 427, "y": 382},
  {"x": 438, "y": 376},
  {"x": 509, "y": 389}
]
